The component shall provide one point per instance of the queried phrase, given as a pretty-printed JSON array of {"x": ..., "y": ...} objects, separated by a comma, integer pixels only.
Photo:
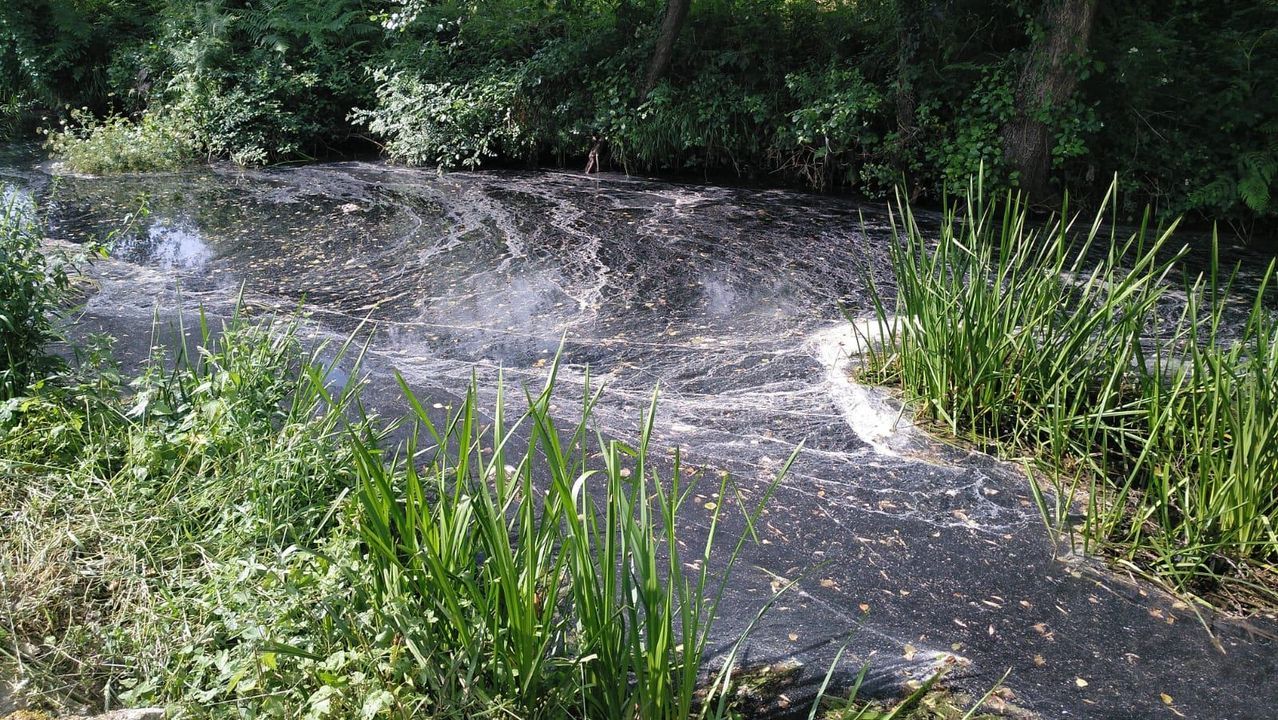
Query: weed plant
[
  {"x": 33, "y": 285},
  {"x": 123, "y": 505},
  {"x": 116, "y": 144},
  {"x": 1054, "y": 343}
]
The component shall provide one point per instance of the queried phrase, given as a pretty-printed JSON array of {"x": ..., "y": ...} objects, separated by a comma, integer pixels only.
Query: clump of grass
[
  {"x": 1213, "y": 451},
  {"x": 1053, "y": 343},
  {"x": 116, "y": 144},
  {"x": 548, "y": 578},
  {"x": 122, "y": 506}
]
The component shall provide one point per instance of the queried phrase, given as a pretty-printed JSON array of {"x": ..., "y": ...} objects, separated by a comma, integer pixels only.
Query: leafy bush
[
  {"x": 833, "y": 129},
  {"x": 248, "y": 120},
  {"x": 970, "y": 143},
  {"x": 706, "y": 124},
  {"x": 33, "y": 285},
  {"x": 253, "y": 115},
  {"x": 119, "y": 145},
  {"x": 448, "y": 124}
]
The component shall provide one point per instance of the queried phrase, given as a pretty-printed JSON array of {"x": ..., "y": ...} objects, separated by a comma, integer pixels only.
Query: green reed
[
  {"x": 550, "y": 572},
  {"x": 1046, "y": 342}
]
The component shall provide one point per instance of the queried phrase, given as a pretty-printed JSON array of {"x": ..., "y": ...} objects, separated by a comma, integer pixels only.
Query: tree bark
[
  {"x": 908, "y": 13},
  {"x": 671, "y": 26},
  {"x": 1048, "y": 77}
]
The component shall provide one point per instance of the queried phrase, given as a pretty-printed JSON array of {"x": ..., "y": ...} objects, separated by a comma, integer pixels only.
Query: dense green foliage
[
  {"x": 32, "y": 286},
  {"x": 116, "y": 144},
  {"x": 1160, "y": 415},
  {"x": 1176, "y": 97},
  {"x": 1185, "y": 104},
  {"x": 144, "y": 521}
]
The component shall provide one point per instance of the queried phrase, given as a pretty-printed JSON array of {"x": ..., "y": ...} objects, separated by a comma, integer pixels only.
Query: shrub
[
  {"x": 253, "y": 115},
  {"x": 33, "y": 286},
  {"x": 264, "y": 82},
  {"x": 832, "y": 129},
  {"x": 448, "y": 124},
  {"x": 710, "y": 123},
  {"x": 119, "y": 145}
]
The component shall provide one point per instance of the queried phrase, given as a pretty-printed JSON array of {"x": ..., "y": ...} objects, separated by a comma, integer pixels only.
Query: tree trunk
[
  {"x": 671, "y": 26},
  {"x": 908, "y": 13},
  {"x": 1049, "y": 77}
]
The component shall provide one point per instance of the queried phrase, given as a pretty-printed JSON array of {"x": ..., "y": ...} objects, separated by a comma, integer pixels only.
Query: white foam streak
[{"x": 865, "y": 409}]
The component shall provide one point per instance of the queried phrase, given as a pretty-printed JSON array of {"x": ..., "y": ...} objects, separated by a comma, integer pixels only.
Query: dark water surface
[{"x": 924, "y": 556}]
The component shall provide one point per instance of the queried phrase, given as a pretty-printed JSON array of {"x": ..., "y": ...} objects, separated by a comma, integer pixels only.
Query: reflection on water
[
  {"x": 14, "y": 198},
  {"x": 168, "y": 243},
  {"x": 720, "y": 297}
]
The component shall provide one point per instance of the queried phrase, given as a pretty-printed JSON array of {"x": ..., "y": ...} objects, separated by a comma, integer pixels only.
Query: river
[{"x": 729, "y": 300}]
